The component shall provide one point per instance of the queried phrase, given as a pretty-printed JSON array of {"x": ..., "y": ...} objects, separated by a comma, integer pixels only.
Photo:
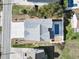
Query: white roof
[{"x": 17, "y": 29}]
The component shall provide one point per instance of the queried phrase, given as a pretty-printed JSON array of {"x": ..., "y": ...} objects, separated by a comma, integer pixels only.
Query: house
[
  {"x": 75, "y": 20},
  {"x": 27, "y": 53},
  {"x": 33, "y": 2},
  {"x": 38, "y": 30},
  {"x": 28, "y": 32},
  {"x": 73, "y": 4}
]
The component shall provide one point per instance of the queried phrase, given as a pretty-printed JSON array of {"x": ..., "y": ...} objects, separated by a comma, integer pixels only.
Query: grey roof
[
  {"x": 43, "y": 0},
  {"x": 37, "y": 29}
]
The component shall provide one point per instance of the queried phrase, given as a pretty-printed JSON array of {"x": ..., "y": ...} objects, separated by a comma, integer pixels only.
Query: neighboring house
[
  {"x": 75, "y": 20},
  {"x": 38, "y": 29},
  {"x": 73, "y": 4},
  {"x": 33, "y": 2},
  {"x": 27, "y": 53}
]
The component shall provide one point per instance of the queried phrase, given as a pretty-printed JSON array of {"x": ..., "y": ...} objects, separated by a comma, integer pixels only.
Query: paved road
[{"x": 7, "y": 11}]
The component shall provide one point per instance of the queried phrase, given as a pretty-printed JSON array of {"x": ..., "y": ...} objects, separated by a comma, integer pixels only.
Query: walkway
[{"x": 36, "y": 43}]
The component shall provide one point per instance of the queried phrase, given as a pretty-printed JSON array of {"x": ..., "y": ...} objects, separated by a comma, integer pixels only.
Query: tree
[
  {"x": 67, "y": 24},
  {"x": 51, "y": 10}
]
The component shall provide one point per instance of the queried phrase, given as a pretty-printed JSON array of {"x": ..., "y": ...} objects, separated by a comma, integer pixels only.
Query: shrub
[
  {"x": 70, "y": 32},
  {"x": 24, "y": 11}
]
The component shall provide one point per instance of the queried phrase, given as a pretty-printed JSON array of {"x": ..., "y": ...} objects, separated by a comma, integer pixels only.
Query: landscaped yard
[
  {"x": 48, "y": 11},
  {"x": 71, "y": 49}
]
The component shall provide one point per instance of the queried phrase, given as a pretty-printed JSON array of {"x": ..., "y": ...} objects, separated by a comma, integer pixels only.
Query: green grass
[
  {"x": 16, "y": 9},
  {"x": 65, "y": 54},
  {"x": 76, "y": 35},
  {"x": 24, "y": 46},
  {"x": 71, "y": 50}
]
